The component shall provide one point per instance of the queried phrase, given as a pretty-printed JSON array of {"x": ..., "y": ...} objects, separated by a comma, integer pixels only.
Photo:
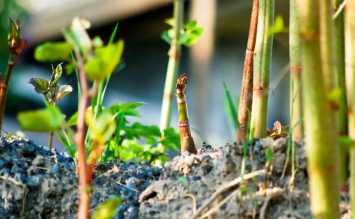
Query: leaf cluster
[{"x": 190, "y": 33}]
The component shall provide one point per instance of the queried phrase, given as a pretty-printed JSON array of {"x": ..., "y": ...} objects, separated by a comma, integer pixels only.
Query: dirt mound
[
  {"x": 210, "y": 184},
  {"x": 38, "y": 183}
]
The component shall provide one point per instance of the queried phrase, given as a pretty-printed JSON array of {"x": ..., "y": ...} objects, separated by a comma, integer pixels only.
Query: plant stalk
[
  {"x": 342, "y": 117},
  {"x": 4, "y": 83},
  {"x": 173, "y": 65},
  {"x": 320, "y": 139},
  {"x": 296, "y": 123},
  {"x": 186, "y": 140},
  {"x": 350, "y": 75},
  {"x": 262, "y": 63},
  {"x": 246, "y": 91},
  {"x": 84, "y": 186}
]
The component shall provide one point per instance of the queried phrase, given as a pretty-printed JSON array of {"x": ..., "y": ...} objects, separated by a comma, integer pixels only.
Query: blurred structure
[{"x": 204, "y": 12}]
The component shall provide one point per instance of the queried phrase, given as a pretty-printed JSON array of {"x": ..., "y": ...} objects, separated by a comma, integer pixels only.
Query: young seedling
[
  {"x": 51, "y": 91},
  {"x": 261, "y": 70},
  {"x": 247, "y": 81},
  {"x": 180, "y": 34},
  {"x": 16, "y": 45},
  {"x": 320, "y": 139},
  {"x": 186, "y": 140}
]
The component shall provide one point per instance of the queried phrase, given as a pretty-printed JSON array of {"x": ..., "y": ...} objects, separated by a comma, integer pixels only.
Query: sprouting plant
[
  {"x": 51, "y": 91},
  {"x": 180, "y": 34},
  {"x": 186, "y": 140},
  {"x": 16, "y": 45}
]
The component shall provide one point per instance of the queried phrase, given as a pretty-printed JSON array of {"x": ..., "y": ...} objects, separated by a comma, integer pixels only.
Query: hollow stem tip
[{"x": 186, "y": 140}]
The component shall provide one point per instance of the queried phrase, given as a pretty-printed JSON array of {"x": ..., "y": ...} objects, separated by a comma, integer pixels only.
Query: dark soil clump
[{"x": 38, "y": 183}]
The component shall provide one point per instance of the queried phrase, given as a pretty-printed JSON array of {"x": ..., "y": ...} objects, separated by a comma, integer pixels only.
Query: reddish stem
[
  {"x": 247, "y": 81},
  {"x": 84, "y": 185}
]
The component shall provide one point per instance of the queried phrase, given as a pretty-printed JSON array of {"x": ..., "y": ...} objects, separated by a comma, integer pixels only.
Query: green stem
[
  {"x": 262, "y": 63},
  {"x": 350, "y": 74},
  {"x": 295, "y": 75},
  {"x": 173, "y": 65},
  {"x": 321, "y": 138},
  {"x": 342, "y": 117}
]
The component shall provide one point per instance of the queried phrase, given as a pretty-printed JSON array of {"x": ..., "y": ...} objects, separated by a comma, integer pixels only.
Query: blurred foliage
[
  {"x": 189, "y": 35},
  {"x": 8, "y": 9},
  {"x": 107, "y": 209},
  {"x": 230, "y": 107}
]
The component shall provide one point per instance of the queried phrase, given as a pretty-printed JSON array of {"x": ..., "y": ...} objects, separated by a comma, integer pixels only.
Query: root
[{"x": 225, "y": 188}]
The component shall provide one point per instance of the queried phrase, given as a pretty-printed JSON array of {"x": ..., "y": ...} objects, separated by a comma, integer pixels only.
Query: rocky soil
[{"x": 38, "y": 183}]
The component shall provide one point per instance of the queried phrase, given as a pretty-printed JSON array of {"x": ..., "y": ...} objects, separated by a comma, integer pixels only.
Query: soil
[{"x": 38, "y": 183}]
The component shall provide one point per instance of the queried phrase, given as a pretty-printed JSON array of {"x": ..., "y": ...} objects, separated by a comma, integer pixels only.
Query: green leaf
[
  {"x": 126, "y": 109},
  {"x": 107, "y": 210},
  {"x": 191, "y": 33},
  {"x": 49, "y": 119},
  {"x": 278, "y": 26},
  {"x": 104, "y": 62},
  {"x": 138, "y": 130},
  {"x": 171, "y": 139},
  {"x": 113, "y": 34},
  {"x": 40, "y": 85},
  {"x": 230, "y": 107},
  {"x": 73, "y": 120},
  {"x": 57, "y": 74},
  {"x": 53, "y": 51},
  {"x": 335, "y": 96},
  {"x": 269, "y": 155}
]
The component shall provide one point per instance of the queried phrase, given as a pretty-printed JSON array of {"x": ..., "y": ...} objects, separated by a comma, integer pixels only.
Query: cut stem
[
  {"x": 186, "y": 140},
  {"x": 173, "y": 65},
  {"x": 262, "y": 63},
  {"x": 295, "y": 75},
  {"x": 246, "y": 91},
  {"x": 350, "y": 75},
  {"x": 320, "y": 140}
]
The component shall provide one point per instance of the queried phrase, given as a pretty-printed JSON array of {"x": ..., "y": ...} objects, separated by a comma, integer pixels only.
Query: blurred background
[{"x": 216, "y": 58}]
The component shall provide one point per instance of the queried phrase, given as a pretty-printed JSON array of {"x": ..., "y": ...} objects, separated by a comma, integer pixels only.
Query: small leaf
[
  {"x": 170, "y": 22},
  {"x": 63, "y": 91},
  {"x": 53, "y": 51},
  {"x": 73, "y": 120},
  {"x": 269, "y": 155},
  {"x": 104, "y": 62},
  {"x": 278, "y": 26},
  {"x": 166, "y": 36},
  {"x": 230, "y": 107},
  {"x": 45, "y": 120},
  {"x": 126, "y": 109},
  {"x": 107, "y": 210},
  {"x": 40, "y": 85},
  {"x": 57, "y": 74}
]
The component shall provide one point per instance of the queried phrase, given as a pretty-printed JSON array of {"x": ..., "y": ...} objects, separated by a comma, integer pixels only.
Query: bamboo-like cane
[
  {"x": 342, "y": 115},
  {"x": 186, "y": 140},
  {"x": 296, "y": 123},
  {"x": 320, "y": 139},
  {"x": 262, "y": 63},
  {"x": 350, "y": 75},
  {"x": 173, "y": 65},
  {"x": 246, "y": 91}
]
